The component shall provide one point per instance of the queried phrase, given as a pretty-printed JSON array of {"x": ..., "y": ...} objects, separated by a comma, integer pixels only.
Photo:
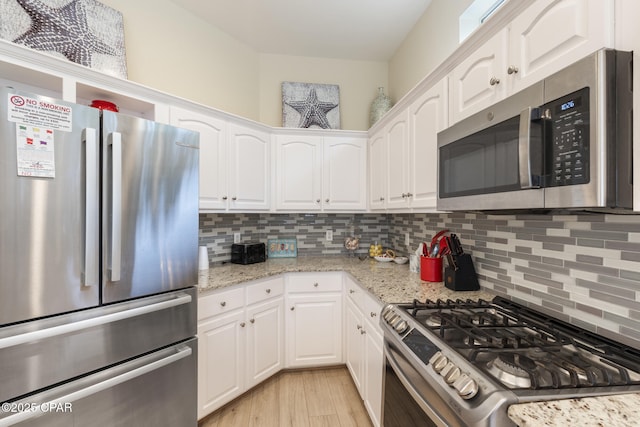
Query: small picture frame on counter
[{"x": 282, "y": 248}]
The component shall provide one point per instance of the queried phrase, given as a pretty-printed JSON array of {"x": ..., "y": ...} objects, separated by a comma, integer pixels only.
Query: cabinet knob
[
  {"x": 326, "y": 201},
  {"x": 359, "y": 326},
  {"x": 242, "y": 325},
  {"x": 224, "y": 197},
  {"x": 404, "y": 195},
  {"x": 234, "y": 198},
  {"x": 409, "y": 195},
  {"x": 268, "y": 290},
  {"x": 382, "y": 199},
  {"x": 373, "y": 314},
  {"x": 292, "y": 308},
  {"x": 362, "y": 332},
  {"x": 352, "y": 291},
  {"x": 252, "y": 320},
  {"x": 317, "y": 200},
  {"x": 315, "y": 285},
  {"x": 494, "y": 81},
  {"x": 223, "y": 303},
  {"x": 512, "y": 69}
]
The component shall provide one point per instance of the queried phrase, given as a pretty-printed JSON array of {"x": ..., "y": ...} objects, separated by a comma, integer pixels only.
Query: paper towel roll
[{"x": 203, "y": 258}]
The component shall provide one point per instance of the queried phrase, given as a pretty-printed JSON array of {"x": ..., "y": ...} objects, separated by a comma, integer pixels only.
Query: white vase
[{"x": 379, "y": 106}]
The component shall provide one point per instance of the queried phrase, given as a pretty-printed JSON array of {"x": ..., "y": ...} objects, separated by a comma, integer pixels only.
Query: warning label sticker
[
  {"x": 35, "y": 151},
  {"x": 38, "y": 112}
]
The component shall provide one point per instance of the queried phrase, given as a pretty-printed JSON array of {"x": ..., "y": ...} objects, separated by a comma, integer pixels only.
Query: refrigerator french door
[{"x": 98, "y": 263}]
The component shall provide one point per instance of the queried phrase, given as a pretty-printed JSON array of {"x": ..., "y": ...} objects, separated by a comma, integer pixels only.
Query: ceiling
[{"x": 346, "y": 29}]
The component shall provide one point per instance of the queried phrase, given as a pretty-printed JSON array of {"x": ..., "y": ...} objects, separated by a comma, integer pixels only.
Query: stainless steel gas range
[{"x": 463, "y": 363}]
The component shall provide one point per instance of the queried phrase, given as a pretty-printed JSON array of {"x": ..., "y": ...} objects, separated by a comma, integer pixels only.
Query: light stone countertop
[{"x": 392, "y": 283}]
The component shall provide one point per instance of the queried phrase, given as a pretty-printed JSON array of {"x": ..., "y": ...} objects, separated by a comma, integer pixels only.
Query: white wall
[
  {"x": 170, "y": 49},
  {"x": 358, "y": 81},
  {"x": 430, "y": 42}
]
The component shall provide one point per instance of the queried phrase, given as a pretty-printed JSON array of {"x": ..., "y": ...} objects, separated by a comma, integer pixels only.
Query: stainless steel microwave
[{"x": 563, "y": 143}]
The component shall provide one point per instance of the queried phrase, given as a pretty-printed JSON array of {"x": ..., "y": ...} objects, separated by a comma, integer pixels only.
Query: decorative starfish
[
  {"x": 62, "y": 30},
  {"x": 312, "y": 111}
]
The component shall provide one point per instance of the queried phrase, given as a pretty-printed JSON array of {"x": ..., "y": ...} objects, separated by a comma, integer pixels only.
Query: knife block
[{"x": 463, "y": 278}]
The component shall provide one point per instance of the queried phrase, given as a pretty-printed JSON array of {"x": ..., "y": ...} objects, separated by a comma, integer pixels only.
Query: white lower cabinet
[
  {"x": 364, "y": 356},
  {"x": 250, "y": 332},
  {"x": 313, "y": 308},
  {"x": 240, "y": 333}
]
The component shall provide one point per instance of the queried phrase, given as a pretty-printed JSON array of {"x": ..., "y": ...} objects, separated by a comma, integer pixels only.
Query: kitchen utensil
[
  {"x": 434, "y": 250},
  {"x": 400, "y": 260},
  {"x": 431, "y": 269},
  {"x": 435, "y": 238}
]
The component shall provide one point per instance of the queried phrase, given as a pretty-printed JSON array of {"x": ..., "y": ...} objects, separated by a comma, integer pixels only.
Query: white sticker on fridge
[
  {"x": 39, "y": 112},
  {"x": 35, "y": 152}
]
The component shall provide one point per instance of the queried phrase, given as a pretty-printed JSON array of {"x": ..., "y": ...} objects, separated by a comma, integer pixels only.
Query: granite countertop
[{"x": 390, "y": 283}]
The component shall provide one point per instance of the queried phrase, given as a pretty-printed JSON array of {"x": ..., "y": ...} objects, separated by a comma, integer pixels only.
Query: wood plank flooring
[{"x": 309, "y": 398}]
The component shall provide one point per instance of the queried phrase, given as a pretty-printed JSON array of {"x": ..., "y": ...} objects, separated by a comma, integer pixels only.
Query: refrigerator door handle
[
  {"x": 36, "y": 411},
  {"x": 116, "y": 206},
  {"x": 91, "y": 273},
  {"x": 67, "y": 328}
]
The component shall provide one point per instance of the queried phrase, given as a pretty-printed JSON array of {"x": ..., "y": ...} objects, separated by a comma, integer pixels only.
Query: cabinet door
[
  {"x": 213, "y": 160},
  {"x": 314, "y": 326},
  {"x": 249, "y": 168},
  {"x": 569, "y": 30},
  {"x": 397, "y": 175},
  {"x": 374, "y": 372},
  {"x": 478, "y": 81},
  {"x": 299, "y": 172},
  {"x": 345, "y": 173},
  {"x": 265, "y": 350},
  {"x": 354, "y": 342},
  {"x": 428, "y": 116},
  {"x": 221, "y": 356},
  {"x": 377, "y": 170}
]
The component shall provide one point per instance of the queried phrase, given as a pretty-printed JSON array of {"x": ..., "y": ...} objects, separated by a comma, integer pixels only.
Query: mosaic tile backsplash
[{"x": 584, "y": 269}]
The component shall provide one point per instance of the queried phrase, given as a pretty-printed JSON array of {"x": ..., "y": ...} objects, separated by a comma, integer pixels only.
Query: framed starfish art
[
  {"x": 83, "y": 31},
  {"x": 310, "y": 105}
]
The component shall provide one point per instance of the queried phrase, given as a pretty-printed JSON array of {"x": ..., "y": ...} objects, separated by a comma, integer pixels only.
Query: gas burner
[
  {"x": 433, "y": 321},
  {"x": 511, "y": 369}
]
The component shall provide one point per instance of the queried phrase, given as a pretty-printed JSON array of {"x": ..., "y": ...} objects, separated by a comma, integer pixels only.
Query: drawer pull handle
[{"x": 223, "y": 303}]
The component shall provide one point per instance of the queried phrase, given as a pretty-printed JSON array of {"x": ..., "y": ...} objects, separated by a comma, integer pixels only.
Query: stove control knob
[
  {"x": 466, "y": 387},
  {"x": 447, "y": 369},
  {"x": 451, "y": 375},
  {"x": 438, "y": 361},
  {"x": 401, "y": 327}
]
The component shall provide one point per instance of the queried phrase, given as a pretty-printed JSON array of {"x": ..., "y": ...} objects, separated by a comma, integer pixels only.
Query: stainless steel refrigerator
[{"x": 98, "y": 267}]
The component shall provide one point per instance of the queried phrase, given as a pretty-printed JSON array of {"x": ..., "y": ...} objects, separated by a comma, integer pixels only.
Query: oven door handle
[{"x": 435, "y": 417}]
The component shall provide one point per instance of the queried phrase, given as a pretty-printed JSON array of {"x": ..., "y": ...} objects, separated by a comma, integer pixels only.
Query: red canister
[{"x": 431, "y": 269}]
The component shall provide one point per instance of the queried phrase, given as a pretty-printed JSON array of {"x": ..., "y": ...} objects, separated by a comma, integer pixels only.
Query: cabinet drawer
[
  {"x": 220, "y": 302},
  {"x": 265, "y": 289},
  {"x": 371, "y": 310},
  {"x": 355, "y": 293},
  {"x": 314, "y": 282}
]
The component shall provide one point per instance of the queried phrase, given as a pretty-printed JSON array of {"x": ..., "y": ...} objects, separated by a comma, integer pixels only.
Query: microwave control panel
[{"x": 568, "y": 126}]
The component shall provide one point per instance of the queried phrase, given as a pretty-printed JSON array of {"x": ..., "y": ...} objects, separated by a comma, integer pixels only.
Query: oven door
[
  {"x": 408, "y": 398},
  {"x": 495, "y": 158}
]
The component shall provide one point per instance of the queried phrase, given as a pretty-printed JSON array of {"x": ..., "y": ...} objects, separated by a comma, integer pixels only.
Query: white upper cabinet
[
  {"x": 397, "y": 177},
  {"x": 377, "y": 170},
  {"x": 552, "y": 34},
  {"x": 249, "y": 159},
  {"x": 546, "y": 37},
  {"x": 316, "y": 173},
  {"x": 213, "y": 158},
  {"x": 478, "y": 81},
  {"x": 345, "y": 173},
  {"x": 427, "y": 117}
]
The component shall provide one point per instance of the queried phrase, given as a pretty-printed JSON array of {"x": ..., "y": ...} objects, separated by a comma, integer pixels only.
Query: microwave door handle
[{"x": 524, "y": 148}]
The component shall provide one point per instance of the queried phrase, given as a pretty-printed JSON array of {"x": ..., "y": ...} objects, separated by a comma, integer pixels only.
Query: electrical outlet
[
  {"x": 329, "y": 235},
  {"x": 236, "y": 237},
  {"x": 407, "y": 240}
]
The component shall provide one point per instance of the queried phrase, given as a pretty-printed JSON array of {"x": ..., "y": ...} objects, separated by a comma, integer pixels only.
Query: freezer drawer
[
  {"x": 45, "y": 352},
  {"x": 155, "y": 390}
]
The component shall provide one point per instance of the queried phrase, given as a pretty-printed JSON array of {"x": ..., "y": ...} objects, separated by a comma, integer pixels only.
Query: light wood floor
[{"x": 310, "y": 398}]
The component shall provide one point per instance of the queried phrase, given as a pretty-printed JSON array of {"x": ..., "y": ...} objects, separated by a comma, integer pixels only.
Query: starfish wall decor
[
  {"x": 83, "y": 31},
  {"x": 308, "y": 105}
]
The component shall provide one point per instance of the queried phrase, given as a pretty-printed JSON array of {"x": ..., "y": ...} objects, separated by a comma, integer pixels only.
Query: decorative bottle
[{"x": 379, "y": 106}]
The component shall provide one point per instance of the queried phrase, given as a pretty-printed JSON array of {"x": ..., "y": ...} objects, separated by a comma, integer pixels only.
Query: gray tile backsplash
[{"x": 584, "y": 269}]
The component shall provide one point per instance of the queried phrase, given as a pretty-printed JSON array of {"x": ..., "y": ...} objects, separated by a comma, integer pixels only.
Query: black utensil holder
[{"x": 463, "y": 278}]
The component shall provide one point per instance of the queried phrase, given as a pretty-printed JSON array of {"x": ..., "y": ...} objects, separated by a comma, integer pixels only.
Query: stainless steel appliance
[
  {"x": 563, "y": 143},
  {"x": 463, "y": 363},
  {"x": 99, "y": 244}
]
